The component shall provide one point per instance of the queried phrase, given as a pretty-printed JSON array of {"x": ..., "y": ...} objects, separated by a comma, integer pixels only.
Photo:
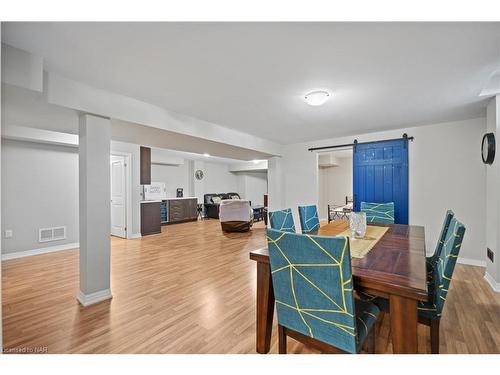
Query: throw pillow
[{"x": 216, "y": 200}]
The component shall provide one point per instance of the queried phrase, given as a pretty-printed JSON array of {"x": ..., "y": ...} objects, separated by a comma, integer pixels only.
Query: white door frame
[{"x": 128, "y": 191}]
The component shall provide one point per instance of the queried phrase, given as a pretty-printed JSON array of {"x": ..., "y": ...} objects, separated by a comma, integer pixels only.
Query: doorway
[
  {"x": 335, "y": 183},
  {"x": 119, "y": 166}
]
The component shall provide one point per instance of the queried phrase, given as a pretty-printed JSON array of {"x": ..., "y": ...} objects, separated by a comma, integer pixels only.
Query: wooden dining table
[{"x": 394, "y": 268}]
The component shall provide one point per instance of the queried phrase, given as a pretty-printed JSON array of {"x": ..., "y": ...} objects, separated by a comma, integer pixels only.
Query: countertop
[
  {"x": 174, "y": 198},
  {"x": 166, "y": 199}
]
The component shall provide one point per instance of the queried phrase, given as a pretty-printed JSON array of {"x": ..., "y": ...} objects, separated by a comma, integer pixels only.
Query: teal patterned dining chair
[
  {"x": 438, "y": 281},
  {"x": 313, "y": 288},
  {"x": 282, "y": 220},
  {"x": 309, "y": 220},
  {"x": 429, "y": 313},
  {"x": 431, "y": 261},
  {"x": 378, "y": 213}
]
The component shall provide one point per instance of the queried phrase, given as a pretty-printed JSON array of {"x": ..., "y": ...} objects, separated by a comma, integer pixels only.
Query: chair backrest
[
  {"x": 309, "y": 220},
  {"x": 282, "y": 220},
  {"x": 378, "y": 213},
  {"x": 312, "y": 283},
  {"x": 446, "y": 262},
  {"x": 235, "y": 210},
  {"x": 442, "y": 237},
  {"x": 432, "y": 261}
]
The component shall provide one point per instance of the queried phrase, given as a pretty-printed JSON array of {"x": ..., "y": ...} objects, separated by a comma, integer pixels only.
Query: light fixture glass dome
[{"x": 317, "y": 98}]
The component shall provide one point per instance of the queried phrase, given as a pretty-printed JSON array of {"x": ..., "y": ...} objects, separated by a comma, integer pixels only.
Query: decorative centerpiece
[{"x": 357, "y": 224}]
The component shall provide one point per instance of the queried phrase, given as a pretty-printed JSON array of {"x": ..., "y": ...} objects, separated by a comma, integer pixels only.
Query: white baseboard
[
  {"x": 135, "y": 235},
  {"x": 471, "y": 262},
  {"x": 43, "y": 250},
  {"x": 495, "y": 285},
  {"x": 93, "y": 298}
]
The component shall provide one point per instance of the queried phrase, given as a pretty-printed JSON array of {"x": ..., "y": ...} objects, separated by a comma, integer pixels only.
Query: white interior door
[{"x": 118, "y": 197}]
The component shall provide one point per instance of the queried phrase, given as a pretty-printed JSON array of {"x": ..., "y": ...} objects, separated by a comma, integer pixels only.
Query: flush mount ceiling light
[
  {"x": 206, "y": 155},
  {"x": 317, "y": 98}
]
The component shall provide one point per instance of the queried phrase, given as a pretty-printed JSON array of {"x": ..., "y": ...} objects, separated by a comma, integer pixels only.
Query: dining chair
[
  {"x": 313, "y": 289},
  {"x": 431, "y": 261},
  {"x": 282, "y": 220},
  {"x": 309, "y": 220},
  {"x": 429, "y": 312},
  {"x": 378, "y": 213}
]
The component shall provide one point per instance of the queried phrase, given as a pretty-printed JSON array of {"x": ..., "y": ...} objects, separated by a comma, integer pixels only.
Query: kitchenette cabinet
[
  {"x": 181, "y": 209},
  {"x": 166, "y": 211}
]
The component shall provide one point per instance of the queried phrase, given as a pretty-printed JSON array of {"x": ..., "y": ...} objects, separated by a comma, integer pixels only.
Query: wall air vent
[{"x": 51, "y": 234}]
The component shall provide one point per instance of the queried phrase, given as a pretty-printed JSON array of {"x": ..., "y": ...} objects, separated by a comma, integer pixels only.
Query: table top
[{"x": 395, "y": 265}]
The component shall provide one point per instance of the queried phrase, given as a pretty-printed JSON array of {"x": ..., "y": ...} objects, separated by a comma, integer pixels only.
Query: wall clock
[
  {"x": 198, "y": 174},
  {"x": 488, "y": 148}
]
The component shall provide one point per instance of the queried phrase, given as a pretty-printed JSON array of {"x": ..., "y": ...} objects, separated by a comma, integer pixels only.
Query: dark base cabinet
[
  {"x": 150, "y": 218},
  {"x": 180, "y": 210}
]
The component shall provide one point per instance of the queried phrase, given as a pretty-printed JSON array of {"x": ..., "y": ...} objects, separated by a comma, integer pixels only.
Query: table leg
[
  {"x": 404, "y": 323},
  {"x": 265, "y": 307}
]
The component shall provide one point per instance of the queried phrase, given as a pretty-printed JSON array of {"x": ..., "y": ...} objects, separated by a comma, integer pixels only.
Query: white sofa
[{"x": 235, "y": 215}]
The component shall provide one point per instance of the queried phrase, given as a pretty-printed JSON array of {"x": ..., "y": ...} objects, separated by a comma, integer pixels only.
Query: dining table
[{"x": 394, "y": 268}]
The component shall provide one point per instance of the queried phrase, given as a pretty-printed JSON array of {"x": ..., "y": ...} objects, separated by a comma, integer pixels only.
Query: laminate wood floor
[{"x": 191, "y": 289}]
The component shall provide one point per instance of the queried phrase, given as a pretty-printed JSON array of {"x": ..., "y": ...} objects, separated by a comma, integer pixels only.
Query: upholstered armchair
[
  {"x": 212, "y": 203},
  {"x": 313, "y": 288},
  {"x": 235, "y": 215},
  {"x": 378, "y": 213}
]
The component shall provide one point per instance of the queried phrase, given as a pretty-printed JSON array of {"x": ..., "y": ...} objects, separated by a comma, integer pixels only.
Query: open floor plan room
[
  {"x": 250, "y": 188},
  {"x": 172, "y": 295}
]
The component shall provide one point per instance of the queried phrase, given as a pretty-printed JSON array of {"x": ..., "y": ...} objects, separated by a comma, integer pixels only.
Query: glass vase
[{"x": 357, "y": 224}]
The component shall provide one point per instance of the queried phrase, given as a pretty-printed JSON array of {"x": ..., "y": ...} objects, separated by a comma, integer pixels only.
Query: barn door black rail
[{"x": 405, "y": 136}]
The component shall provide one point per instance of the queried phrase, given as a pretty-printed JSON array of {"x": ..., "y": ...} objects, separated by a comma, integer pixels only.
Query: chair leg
[
  {"x": 371, "y": 341},
  {"x": 379, "y": 322},
  {"x": 435, "y": 336},
  {"x": 281, "y": 339}
]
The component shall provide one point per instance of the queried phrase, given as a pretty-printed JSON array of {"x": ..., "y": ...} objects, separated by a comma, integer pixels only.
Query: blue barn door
[{"x": 380, "y": 174}]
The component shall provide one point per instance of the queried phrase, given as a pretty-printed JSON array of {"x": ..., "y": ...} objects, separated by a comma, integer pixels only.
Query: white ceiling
[{"x": 251, "y": 76}]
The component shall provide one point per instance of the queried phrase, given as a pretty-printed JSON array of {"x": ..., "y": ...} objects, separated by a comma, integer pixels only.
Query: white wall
[
  {"x": 252, "y": 186},
  {"x": 335, "y": 183},
  {"x": 218, "y": 179},
  {"x": 39, "y": 190},
  {"x": 445, "y": 171},
  {"x": 492, "y": 195},
  {"x": 174, "y": 176}
]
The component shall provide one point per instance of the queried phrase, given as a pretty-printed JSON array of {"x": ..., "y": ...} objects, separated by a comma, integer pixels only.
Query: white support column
[
  {"x": 275, "y": 184},
  {"x": 95, "y": 216}
]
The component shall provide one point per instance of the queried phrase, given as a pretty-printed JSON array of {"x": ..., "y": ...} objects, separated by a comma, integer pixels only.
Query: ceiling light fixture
[
  {"x": 206, "y": 155},
  {"x": 256, "y": 161},
  {"x": 317, "y": 98}
]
